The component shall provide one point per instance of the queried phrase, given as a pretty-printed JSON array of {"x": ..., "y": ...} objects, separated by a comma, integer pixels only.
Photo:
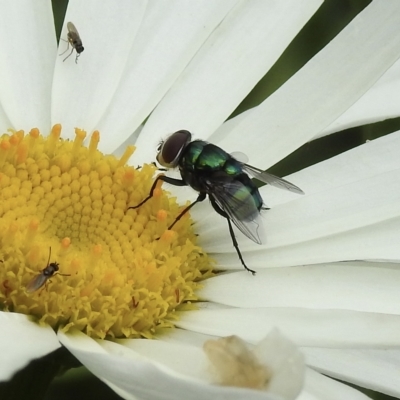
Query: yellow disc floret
[{"x": 74, "y": 256}]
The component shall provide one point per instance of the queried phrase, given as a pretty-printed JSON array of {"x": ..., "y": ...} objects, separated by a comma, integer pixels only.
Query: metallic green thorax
[
  {"x": 203, "y": 156},
  {"x": 203, "y": 163}
]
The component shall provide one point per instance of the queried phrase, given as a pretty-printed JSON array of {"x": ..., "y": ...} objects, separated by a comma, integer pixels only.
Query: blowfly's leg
[
  {"x": 236, "y": 246},
  {"x": 199, "y": 199},
  {"x": 172, "y": 181},
  {"x": 232, "y": 233}
]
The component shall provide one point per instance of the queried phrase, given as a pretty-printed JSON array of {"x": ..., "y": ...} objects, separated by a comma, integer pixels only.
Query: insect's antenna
[{"x": 48, "y": 261}]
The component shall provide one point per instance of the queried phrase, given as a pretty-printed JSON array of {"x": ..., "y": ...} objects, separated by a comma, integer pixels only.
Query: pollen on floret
[{"x": 122, "y": 273}]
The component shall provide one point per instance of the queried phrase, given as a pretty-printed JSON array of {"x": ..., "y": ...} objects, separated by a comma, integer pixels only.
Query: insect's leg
[
  {"x": 200, "y": 198},
  {"x": 158, "y": 168},
  {"x": 232, "y": 233},
  {"x": 67, "y": 47},
  {"x": 48, "y": 261},
  {"x": 150, "y": 194},
  {"x": 172, "y": 181},
  {"x": 69, "y": 55},
  {"x": 45, "y": 287},
  {"x": 58, "y": 273},
  {"x": 236, "y": 246},
  {"x": 153, "y": 163}
]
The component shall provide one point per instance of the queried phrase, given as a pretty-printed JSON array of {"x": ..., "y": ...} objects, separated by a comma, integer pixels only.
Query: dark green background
[{"x": 333, "y": 16}]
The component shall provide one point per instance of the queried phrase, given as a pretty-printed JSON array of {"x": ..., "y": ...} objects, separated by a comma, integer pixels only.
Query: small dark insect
[
  {"x": 41, "y": 279},
  {"x": 74, "y": 40},
  {"x": 211, "y": 171}
]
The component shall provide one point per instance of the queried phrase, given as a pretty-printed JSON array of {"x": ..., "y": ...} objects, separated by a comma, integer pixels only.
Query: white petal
[
  {"x": 314, "y": 387},
  {"x": 137, "y": 375},
  {"x": 78, "y": 341},
  {"x": 183, "y": 336},
  {"x": 286, "y": 362},
  {"x": 22, "y": 340},
  {"x": 28, "y": 46},
  {"x": 370, "y": 243},
  {"x": 160, "y": 352},
  {"x": 275, "y": 351},
  {"x": 350, "y": 222},
  {"x": 370, "y": 368},
  {"x": 361, "y": 288},
  {"x": 319, "y": 387},
  {"x": 131, "y": 140},
  {"x": 168, "y": 38},
  {"x": 322, "y": 90},
  {"x": 379, "y": 103},
  {"x": 234, "y": 58},
  {"x": 306, "y": 327},
  {"x": 83, "y": 91},
  {"x": 367, "y": 160},
  {"x": 362, "y": 204},
  {"x": 5, "y": 123}
]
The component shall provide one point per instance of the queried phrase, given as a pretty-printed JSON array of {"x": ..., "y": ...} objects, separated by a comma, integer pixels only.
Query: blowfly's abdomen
[{"x": 249, "y": 199}]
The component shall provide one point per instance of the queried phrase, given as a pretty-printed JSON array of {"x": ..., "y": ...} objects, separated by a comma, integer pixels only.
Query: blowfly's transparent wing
[
  {"x": 241, "y": 157},
  {"x": 271, "y": 179},
  {"x": 36, "y": 283},
  {"x": 236, "y": 201}
]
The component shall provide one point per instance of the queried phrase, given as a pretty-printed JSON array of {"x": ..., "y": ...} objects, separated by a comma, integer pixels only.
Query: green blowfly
[{"x": 211, "y": 171}]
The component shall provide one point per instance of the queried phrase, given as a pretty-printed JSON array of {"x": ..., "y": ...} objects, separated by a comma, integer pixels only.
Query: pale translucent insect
[
  {"x": 74, "y": 40},
  {"x": 41, "y": 279}
]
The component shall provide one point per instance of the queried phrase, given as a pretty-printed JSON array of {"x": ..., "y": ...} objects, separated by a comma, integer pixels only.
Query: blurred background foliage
[{"x": 331, "y": 18}]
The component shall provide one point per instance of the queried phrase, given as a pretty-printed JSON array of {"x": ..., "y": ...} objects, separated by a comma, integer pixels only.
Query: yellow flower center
[{"x": 74, "y": 256}]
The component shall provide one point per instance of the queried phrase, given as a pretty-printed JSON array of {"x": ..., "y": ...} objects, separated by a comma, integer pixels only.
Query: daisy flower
[{"x": 327, "y": 278}]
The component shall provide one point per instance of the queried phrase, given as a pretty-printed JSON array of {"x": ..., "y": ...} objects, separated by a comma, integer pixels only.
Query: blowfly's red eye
[{"x": 173, "y": 146}]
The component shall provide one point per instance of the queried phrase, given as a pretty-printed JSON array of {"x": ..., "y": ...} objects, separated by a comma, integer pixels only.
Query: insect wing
[
  {"x": 271, "y": 179},
  {"x": 72, "y": 29},
  {"x": 242, "y": 211},
  {"x": 239, "y": 156},
  {"x": 36, "y": 283}
]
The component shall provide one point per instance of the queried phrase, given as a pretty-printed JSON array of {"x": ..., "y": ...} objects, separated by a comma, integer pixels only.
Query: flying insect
[
  {"x": 74, "y": 40},
  {"x": 211, "y": 171},
  {"x": 41, "y": 279}
]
